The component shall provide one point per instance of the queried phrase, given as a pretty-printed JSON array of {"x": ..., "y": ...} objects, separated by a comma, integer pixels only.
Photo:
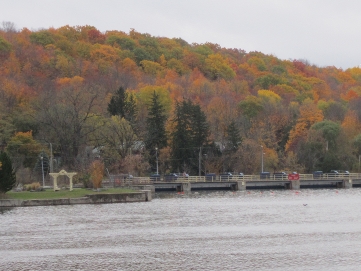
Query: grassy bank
[{"x": 50, "y": 194}]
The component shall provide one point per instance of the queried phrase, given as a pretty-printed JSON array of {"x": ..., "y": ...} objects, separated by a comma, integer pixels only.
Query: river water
[{"x": 245, "y": 230}]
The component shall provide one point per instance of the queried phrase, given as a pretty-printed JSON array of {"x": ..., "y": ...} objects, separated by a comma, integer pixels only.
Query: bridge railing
[{"x": 325, "y": 176}]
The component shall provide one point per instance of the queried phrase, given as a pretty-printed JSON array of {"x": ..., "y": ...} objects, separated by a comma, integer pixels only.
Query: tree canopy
[{"x": 114, "y": 94}]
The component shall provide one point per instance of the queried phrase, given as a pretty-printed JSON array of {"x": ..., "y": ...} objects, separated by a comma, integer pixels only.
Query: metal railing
[{"x": 325, "y": 176}]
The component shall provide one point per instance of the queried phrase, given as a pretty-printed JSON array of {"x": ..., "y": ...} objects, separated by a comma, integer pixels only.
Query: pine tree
[
  {"x": 156, "y": 136},
  {"x": 190, "y": 135},
  {"x": 130, "y": 109},
  {"x": 117, "y": 103},
  {"x": 123, "y": 104},
  {"x": 7, "y": 174},
  {"x": 199, "y": 125},
  {"x": 233, "y": 137},
  {"x": 181, "y": 137}
]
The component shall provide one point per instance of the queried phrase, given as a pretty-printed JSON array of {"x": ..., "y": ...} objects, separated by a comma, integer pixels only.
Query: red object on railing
[{"x": 293, "y": 177}]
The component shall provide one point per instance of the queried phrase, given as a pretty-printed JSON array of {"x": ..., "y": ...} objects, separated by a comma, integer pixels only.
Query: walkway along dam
[{"x": 236, "y": 183}]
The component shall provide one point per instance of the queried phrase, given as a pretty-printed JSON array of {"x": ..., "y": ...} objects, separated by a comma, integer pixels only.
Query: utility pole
[
  {"x": 156, "y": 157},
  {"x": 200, "y": 161},
  {"x": 262, "y": 159},
  {"x": 205, "y": 160},
  {"x": 51, "y": 158},
  {"x": 42, "y": 168}
]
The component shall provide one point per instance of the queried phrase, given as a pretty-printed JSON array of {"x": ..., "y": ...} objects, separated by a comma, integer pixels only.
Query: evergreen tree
[
  {"x": 233, "y": 137},
  {"x": 123, "y": 104},
  {"x": 199, "y": 126},
  {"x": 130, "y": 109},
  {"x": 190, "y": 135},
  {"x": 117, "y": 103},
  {"x": 7, "y": 174},
  {"x": 156, "y": 136},
  {"x": 232, "y": 142},
  {"x": 181, "y": 137}
]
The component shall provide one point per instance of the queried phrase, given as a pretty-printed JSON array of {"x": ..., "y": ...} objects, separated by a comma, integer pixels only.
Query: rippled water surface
[{"x": 248, "y": 230}]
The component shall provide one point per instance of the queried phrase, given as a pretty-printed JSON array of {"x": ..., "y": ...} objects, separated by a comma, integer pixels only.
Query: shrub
[{"x": 32, "y": 186}]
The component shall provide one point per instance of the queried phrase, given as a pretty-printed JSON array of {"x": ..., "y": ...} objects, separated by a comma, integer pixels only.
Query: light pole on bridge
[
  {"x": 156, "y": 157},
  {"x": 262, "y": 159},
  {"x": 42, "y": 169}
]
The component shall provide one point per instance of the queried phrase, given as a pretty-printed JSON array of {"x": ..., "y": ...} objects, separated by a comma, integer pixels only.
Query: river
[{"x": 224, "y": 230}]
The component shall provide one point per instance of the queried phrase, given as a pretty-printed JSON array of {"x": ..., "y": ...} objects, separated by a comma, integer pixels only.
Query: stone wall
[{"x": 98, "y": 198}]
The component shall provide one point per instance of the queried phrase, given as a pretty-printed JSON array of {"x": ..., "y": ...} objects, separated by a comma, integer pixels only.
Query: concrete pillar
[
  {"x": 295, "y": 185},
  {"x": 347, "y": 183},
  {"x": 148, "y": 195},
  {"x": 241, "y": 185},
  {"x": 186, "y": 187}
]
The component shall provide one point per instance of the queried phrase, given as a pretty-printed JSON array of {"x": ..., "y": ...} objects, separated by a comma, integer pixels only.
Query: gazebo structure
[{"x": 63, "y": 172}]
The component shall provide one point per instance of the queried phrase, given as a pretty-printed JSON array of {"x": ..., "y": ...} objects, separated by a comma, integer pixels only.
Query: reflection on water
[
  {"x": 246, "y": 230},
  {"x": 5, "y": 209}
]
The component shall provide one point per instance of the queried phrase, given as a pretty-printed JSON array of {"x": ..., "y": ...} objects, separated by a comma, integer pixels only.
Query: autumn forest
[{"x": 74, "y": 94}]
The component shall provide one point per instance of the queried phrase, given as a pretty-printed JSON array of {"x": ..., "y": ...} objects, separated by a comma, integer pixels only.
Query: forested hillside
[{"x": 132, "y": 99}]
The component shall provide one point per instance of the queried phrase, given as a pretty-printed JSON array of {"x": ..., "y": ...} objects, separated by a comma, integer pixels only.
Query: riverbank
[
  {"x": 64, "y": 193},
  {"x": 77, "y": 196}
]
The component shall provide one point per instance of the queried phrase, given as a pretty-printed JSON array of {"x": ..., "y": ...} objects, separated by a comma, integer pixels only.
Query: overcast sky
[{"x": 323, "y": 32}]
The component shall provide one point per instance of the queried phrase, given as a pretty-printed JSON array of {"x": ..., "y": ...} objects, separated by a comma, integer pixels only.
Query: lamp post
[
  {"x": 42, "y": 168},
  {"x": 205, "y": 164},
  {"x": 359, "y": 163},
  {"x": 156, "y": 158},
  {"x": 262, "y": 159},
  {"x": 200, "y": 162},
  {"x": 51, "y": 158}
]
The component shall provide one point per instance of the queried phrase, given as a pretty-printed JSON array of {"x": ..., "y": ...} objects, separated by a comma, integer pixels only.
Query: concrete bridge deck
[{"x": 248, "y": 182}]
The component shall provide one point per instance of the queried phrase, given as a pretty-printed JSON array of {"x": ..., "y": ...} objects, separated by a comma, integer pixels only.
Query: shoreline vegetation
[{"x": 50, "y": 194}]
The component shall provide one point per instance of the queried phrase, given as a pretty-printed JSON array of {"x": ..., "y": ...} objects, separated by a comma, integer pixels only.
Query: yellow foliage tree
[
  {"x": 218, "y": 67},
  {"x": 269, "y": 96},
  {"x": 162, "y": 61},
  {"x": 146, "y": 93},
  {"x": 257, "y": 63},
  {"x": 24, "y": 148},
  {"x": 64, "y": 65},
  {"x": 130, "y": 66},
  {"x": 151, "y": 67},
  {"x": 271, "y": 159}
]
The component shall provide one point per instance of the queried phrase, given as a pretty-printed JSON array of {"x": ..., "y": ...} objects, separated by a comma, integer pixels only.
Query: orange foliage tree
[
  {"x": 97, "y": 172},
  {"x": 309, "y": 115}
]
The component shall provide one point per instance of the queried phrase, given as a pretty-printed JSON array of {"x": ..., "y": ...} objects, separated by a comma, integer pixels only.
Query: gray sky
[{"x": 323, "y": 32}]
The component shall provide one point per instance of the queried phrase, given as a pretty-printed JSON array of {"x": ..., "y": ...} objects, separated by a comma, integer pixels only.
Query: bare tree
[{"x": 68, "y": 119}]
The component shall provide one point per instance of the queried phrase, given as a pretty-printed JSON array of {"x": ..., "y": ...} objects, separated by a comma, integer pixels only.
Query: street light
[
  {"x": 262, "y": 159},
  {"x": 359, "y": 163},
  {"x": 156, "y": 157},
  {"x": 42, "y": 169},
  {"x": 205, "y": 163}
]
